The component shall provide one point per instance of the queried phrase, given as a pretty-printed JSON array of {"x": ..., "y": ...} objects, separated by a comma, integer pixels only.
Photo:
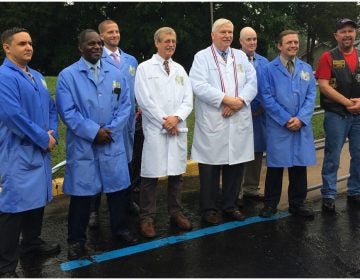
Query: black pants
[
  {"x": 79, "y": 211},
  {"x": 28, "y": 224},
  {"x": 210, "y": 184},
  {"x": 297, "y": 185}
]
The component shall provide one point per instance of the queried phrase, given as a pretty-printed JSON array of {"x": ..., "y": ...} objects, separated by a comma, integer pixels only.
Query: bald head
[{"x": 248, "y": 40}]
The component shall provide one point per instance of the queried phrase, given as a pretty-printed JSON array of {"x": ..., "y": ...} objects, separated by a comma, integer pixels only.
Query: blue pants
[{"x": 337, "y": 129}]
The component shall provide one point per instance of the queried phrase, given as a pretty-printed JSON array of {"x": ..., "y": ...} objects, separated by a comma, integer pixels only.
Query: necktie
[
  {"x": 224, "y": 56},
  {"x": 166, "y": 66},
  {"x": 95, "y": 73},
  {"x": 251, "y": 59},
  {"x": 290, "y": 66},
  {"x": 31, "y": 77},
  {"x": 115, "y": 58}
]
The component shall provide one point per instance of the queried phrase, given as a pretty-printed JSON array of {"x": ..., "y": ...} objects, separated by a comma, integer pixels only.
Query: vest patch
[{"x": 338, "y": 64}]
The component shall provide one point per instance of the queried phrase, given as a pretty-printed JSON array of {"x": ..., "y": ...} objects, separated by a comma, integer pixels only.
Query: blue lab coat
[
  {"x": 285, "y": 96},
  {"x": 128, "y": 65},
  {"x": 85, "y": 105},
  {"x": 27, "y": 113}
]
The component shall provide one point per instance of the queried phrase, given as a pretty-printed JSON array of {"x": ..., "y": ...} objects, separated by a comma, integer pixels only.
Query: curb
[{"x": 191, "y": 170}]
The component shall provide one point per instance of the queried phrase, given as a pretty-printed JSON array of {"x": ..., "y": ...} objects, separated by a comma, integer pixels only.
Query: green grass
[{"x": 59, "y": 155}]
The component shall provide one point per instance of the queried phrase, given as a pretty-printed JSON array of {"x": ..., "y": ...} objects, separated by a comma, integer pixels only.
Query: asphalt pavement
[{"x": 285, "y": 246}]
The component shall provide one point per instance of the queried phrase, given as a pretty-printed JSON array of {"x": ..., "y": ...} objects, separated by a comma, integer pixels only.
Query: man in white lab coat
[
  {"x": 163, "y": 92},
  {"x": 224, "y": 83}
]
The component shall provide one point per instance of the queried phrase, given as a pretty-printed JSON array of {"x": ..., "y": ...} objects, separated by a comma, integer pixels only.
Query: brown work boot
[
  {"x": 181, "y": 221},
  {"x": 147, "y": 228}
]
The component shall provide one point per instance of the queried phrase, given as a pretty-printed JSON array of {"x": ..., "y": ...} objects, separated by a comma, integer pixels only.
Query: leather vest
[{"x": 343, "y": 81}]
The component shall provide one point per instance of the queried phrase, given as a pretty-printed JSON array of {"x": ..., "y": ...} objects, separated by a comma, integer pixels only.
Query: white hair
[{"x": 220, "y": 22}]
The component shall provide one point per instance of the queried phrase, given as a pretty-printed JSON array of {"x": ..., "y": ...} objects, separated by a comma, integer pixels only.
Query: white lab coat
[
  {"x": 218, "y": 140},
  {"x": 160, "y": 95}
]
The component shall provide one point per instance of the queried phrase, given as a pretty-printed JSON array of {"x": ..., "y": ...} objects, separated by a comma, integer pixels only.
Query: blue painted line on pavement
[{"x": 71, "y": 265}]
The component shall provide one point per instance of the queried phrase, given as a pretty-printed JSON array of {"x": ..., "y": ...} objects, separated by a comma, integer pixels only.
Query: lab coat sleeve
[
  {"x": 200, "y": 78},
  {"x": 268, "y": 94},
  {"x": 15, "y": 118},
  {"x": 307, "y": 108},
  {"x": 122, "y": 114},
  {"x": 144, "y": 99},
  {"x": 70, "y": 114},
  {"x": 187, "y": 103},
  {"x": 249, "y": 91}
]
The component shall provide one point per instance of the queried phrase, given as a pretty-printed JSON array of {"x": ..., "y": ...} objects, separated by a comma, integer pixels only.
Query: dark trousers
[
  {"x": 96, "y": 199},
  {"x": 210, "y": 184},
  {"x": 28, "y": 224},
  {"x": 148, "y": 196},
  {"x": 79, "y": 211},
  {"x": 297, "y": 185}
]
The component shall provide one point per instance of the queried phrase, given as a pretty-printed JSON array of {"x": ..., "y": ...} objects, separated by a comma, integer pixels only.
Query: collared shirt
[
  {"x": 220, "y": 52},
  {"x": 161, "y": 60},
  {"x": 94, "y": 68},
  {"x": 284, "y": 61},
  {"x": 117, "y": 52}
]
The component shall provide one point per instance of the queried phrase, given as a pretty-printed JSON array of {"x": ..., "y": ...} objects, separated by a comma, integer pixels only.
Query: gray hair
[
  {"x": 163, "y": 30},
  {"x": 220, "y": 22}
]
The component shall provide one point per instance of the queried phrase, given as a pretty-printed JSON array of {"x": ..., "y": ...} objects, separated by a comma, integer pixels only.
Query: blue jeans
[{"x": 337, "y": 129}]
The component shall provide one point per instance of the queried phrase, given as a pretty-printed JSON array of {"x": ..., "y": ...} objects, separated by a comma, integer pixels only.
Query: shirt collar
[
  {"x": 160, "y": 59},
  {"x": 90, "y": 65},
  {"x": 108, "y": 52},
  {"x": 220, "y": 52},
  {"x": 284, "y": 61}
]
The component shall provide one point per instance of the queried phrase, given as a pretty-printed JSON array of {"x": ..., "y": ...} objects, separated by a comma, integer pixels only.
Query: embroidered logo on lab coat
[
  {"x": 179, "y": 80},
  {"x": 132, "y": 70},
  {"x": 44, "y": 83},
  {"x": 239, "y": 68},
  {"x": 304, "y": 75}
]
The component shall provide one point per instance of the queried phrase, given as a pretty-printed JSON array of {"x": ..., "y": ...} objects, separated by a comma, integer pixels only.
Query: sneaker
[{"x": 328, "y": 204}]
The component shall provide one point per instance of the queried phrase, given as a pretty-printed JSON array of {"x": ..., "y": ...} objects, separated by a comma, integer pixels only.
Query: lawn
[{"x": 59, "y": 153}]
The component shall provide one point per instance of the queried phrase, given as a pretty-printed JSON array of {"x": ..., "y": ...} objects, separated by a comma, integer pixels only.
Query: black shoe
[
  {"x": 94, "y": 220},
  {"x": 256, "y": 197},
  {"x": 355, "y": 199},
  {"x": 134, "y": 208},
  {"x": 10, "y": 274},
  {"x": 302, "y": 210},
  {"x": 235, "y": 215},
  {"x": 240, "y": 202},
  {"x": 267, "y": 211},
  {"x": 211, "y": 218},
  {"x": 328, "y": 204},
  {"x": 40, "y": 247},
  {"x": 127, "y": 238},
  {"x": 76, "y": 251}
]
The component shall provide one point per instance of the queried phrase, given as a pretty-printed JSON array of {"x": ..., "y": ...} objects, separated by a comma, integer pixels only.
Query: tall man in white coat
[
  {"x": 163, "y": 92},
  {"x": 224, "y": 84}
]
